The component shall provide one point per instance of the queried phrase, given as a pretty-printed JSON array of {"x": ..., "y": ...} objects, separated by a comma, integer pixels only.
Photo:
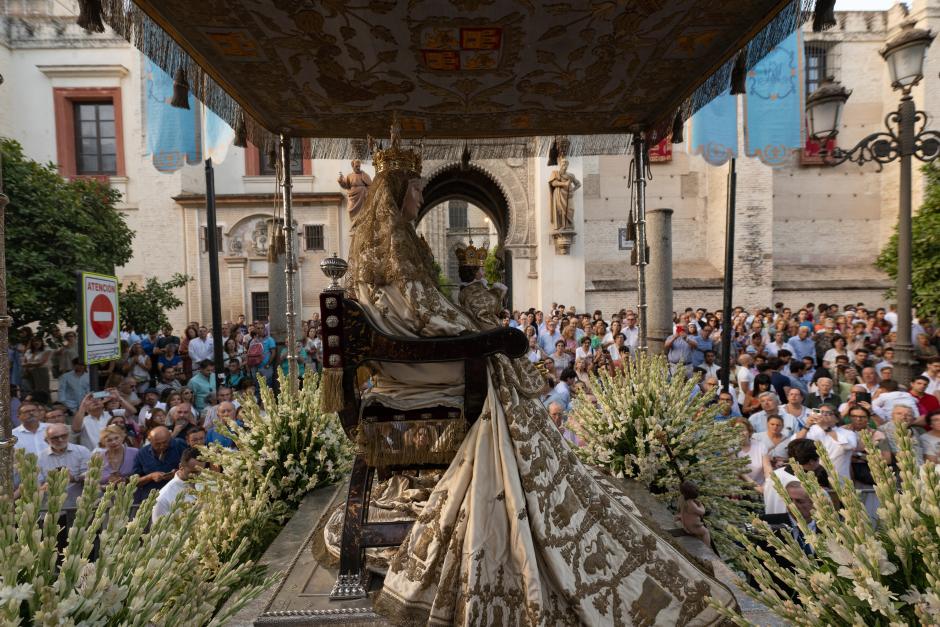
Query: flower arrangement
[
  {"x": 137, "y": 577},
  {"x": 280, "y": 454},
  {"x": 647, "y": 426},
  {"x": 860, "y": 572}
]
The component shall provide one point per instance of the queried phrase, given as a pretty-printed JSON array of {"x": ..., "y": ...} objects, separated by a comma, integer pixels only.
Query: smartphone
[
  {"x": 118, "y": 412},
  {"x": 863, "y": 397},
  {"x": 102, "y": 394}
]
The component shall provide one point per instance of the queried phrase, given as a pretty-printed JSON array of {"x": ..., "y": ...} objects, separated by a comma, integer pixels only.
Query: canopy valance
[{"x": 475, "y": 71}]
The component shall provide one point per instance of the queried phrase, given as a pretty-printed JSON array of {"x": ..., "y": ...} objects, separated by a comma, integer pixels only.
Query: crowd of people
[
  {"x": 156, "y": 406},
  {"x": 818, "y": 373}
]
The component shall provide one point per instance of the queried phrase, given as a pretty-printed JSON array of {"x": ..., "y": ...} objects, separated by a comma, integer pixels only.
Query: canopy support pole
[
  {"x": 7, "y": 439},
  {"x": 727, "y": 286},
  {"x": 212, "y": 244},
  {"x": 639, "y": 163},
  {"x": 290, "y": 270}
]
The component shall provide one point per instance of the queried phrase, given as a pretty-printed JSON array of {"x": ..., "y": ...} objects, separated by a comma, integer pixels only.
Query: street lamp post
[{"x": 906, "y": 137}]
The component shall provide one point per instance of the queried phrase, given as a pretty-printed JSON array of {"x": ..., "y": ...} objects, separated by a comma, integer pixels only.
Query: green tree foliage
[
  {"x": 925, "y": 250},
  {"x": 145, "y": 307},
  {"x": 55, "y": 227},
  {"x": 493, "y": 265}
]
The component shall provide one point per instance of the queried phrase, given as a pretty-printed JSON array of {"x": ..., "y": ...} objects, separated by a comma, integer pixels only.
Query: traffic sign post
[{"x": 100, "y": 331}]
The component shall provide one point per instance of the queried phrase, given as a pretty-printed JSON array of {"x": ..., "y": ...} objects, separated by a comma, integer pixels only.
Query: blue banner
[
  {"x": 173, "y": 135},
  {"x": 219, "y": 136},
  {"x": 715, "y": 130},
  {"x": 772, "y": 110}
]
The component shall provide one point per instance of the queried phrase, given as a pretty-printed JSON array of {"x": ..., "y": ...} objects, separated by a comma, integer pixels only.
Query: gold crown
[
  {"x": 471, "y": 255},
  {"x": 395, "y": 157}
]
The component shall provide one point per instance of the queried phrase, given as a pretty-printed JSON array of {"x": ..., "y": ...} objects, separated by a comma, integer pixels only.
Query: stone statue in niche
[
  {"x": 259, "y": 239},
  {"x": 562, "y": 185},
  {"x": 235, "y": 245},
  {"x": 356, "y": 184}
]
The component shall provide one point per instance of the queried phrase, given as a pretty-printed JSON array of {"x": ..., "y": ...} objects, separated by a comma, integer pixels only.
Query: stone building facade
[{"x": 804, "y": 232}]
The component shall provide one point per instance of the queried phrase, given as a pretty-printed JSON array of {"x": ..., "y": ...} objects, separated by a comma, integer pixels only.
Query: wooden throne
[{"x": 350, "y": 340}]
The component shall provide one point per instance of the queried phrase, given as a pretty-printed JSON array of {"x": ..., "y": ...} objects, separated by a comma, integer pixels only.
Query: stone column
[{"x": 659, "y": 277}]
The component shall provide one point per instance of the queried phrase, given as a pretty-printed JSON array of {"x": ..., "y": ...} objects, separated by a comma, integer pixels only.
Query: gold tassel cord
[{"x": 331, "y": 390}]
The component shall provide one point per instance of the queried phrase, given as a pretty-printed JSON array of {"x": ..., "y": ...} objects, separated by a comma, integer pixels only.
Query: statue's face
[
  {"x": 357, "y": 166},
  {"x": 563, "y": 166}
]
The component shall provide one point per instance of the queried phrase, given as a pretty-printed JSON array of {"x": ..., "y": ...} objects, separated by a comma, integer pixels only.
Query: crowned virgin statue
[{"x": 517, "y": 531}]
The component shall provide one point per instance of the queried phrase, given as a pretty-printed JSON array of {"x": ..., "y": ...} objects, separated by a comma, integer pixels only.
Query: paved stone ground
[{"x": 302, "y": 595}]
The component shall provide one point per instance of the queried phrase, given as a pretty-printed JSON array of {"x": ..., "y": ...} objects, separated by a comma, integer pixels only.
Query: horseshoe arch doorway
[{"x": 460, "y": 204}]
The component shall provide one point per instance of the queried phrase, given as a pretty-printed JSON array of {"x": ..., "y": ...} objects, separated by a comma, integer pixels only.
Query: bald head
[{"x": 159, "y": 438}]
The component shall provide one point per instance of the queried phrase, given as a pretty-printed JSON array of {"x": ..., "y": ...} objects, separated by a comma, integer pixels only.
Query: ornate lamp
[
  {"x": 905, "y": 55},
  {"x": 824, "y": 110}
]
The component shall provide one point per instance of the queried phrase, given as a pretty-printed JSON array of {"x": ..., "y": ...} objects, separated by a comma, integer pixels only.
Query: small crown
[
  {"x": 395, "y": 157},
  {"x": 471, "y": 255}
]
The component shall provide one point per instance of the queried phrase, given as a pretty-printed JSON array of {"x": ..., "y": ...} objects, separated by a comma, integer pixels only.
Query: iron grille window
[
  {"x": 313, "y": 237},
  {"x": 457, "y": 218},
  {"x": 95, "y": 138},
  {"x": 296, "y": 159},
  {"x": 821, "y": 61},
  {"x": 205, "y": 238},
  {"x": 259, "y": 306}
]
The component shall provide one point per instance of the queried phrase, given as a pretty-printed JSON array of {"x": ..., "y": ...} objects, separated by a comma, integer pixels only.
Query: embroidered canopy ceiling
[{"x": 454, "y": 69}]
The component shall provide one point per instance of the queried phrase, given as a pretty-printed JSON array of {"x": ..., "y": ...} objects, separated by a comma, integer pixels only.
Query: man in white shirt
[
  {"x": 190, "y": 466},
  {"x": 200, "y": 348},
  {"x": 839, "y": 443},
  {"x": 90, "y": 419},
  {"x": 888, "y": 397},
  {"x": 802, "y": 452},
  {"x": 31, "y": 434},
  {"x": 770, "y": 406},
  {"x": 631, "y": 332}
]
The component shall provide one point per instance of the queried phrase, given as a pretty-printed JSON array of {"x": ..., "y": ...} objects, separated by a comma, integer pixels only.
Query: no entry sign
[{"x": 101, "y": 340}]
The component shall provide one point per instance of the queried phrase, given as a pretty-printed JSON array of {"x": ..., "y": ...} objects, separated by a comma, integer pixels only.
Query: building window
[
  {"x": 205, "y": 238},
  {"x": 457, "y": 214},
  {"x": 259, "y": 306},
  {"x": 296, "y": 160},
  {"x": 95, "y": 138},
  {"x": 821, "y": 60},
  {"x": 89, "y": 131},
  {"x": 313, "y": 237},
  {"x": 258, "y": 164}
]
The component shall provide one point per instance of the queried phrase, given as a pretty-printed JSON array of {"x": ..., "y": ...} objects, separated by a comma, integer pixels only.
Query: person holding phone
[
  {"x": 679, "y": 348},
  {"x": 157, "y": 461}
]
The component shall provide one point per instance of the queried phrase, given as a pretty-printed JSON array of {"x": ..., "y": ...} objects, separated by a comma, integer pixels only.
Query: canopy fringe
[{"x": 129, "y": 21}]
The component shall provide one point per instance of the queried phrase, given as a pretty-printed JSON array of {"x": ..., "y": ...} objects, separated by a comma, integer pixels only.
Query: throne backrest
[{"x": 351, "y": 339}]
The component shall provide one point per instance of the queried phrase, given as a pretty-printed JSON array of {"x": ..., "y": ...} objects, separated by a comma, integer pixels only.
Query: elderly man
[
  {"x": 769, "y": 406},
  {"x": 557, "y": 413},
  {"x": 183, "y": 420},
  {"x": 903, "y": 415},
  {"x": 227, "y": 414},
  {"x": 823, "y": 394},
  {"x": 157, "y": 461},
  {"x": 211, "y": 413},
  {"x": 31, "y": 434},
  {"x": 548, "y": 337},
  {"x": 190, "y": 466},
  {"x": 62, "y": 454}
]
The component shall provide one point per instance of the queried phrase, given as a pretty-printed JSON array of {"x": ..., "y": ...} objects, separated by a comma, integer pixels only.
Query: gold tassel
[{"x": 331, "y": 390}]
